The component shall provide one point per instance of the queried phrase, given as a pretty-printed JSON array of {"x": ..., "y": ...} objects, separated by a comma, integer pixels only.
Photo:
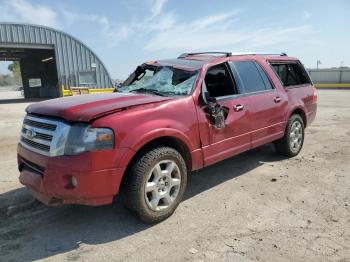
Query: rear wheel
[
  {"x": 156, "y": 184},
  {"x": 293, "y": 140}
]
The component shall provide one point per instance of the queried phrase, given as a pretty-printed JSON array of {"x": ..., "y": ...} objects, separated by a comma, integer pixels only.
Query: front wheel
[
  {"x": 156, "y": 184},
  {"x": 293, "y": 140}
]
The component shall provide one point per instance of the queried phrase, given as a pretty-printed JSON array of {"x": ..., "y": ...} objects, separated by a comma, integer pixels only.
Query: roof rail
[
  {"x": 228, "y": 54},
  {"x": 225, "y": 54},
  {"x": 257, "y": 53}
]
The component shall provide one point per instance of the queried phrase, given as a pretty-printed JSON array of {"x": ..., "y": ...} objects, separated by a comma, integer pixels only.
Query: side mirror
[{"x": 217, "y": 113}]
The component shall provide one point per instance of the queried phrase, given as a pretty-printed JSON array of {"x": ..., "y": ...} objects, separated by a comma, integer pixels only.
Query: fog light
[{"x": 74, "y": 182}]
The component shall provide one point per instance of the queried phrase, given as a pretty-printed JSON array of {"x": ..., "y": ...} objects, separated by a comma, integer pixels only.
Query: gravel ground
[{"x": 256, "y": 206}]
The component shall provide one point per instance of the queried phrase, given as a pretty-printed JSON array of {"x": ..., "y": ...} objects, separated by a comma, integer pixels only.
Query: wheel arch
[
  {"x": 166, "y": 141},
  {"x": 169, "y": 141},
  {"x": 299, "y": 111}
]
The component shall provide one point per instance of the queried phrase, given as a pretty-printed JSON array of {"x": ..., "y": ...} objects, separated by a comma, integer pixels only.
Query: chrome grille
[
  {"x": 35, "y": 144},
  {"x": 42, "y": 125},
  {"x": 44, "y": 135},
  {"x": 39, "y": 135}
]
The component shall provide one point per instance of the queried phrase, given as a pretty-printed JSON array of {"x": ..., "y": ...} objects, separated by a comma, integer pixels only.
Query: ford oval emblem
[{"x": 30, "y": 133}]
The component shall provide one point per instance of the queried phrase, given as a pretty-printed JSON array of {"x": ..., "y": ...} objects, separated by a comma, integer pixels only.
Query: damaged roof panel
[{"x": 183, "y": 63}]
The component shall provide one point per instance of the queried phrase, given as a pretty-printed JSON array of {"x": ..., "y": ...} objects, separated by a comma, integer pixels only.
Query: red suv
[{"x": 168, "y": 118}]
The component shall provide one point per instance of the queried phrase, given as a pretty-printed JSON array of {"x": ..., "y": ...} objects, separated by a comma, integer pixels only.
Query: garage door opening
[
  {"x": 34, "y": 72},
  {"x": 11, "y": 86}
]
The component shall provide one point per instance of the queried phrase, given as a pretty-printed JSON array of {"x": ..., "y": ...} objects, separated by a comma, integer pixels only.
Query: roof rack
[
  {"x": 257, "y": 53},
  {"x": 228, "y": 54},
  {"x": 225, "y": 54}
]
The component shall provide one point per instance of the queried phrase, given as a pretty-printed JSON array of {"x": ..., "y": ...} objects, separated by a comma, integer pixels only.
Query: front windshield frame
[{"x": 158, "y": 68}]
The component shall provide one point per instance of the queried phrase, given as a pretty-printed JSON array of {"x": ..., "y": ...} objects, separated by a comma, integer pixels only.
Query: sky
[{"x": 125, "y": 33}]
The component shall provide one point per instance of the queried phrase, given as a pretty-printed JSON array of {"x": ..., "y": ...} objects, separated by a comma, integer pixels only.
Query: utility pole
[{"x": 318, "y": 63}]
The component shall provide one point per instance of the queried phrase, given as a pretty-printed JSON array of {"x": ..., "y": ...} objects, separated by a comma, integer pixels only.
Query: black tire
[
  {"x": 135, "y": 193},
  {"x": 284, "y": 145}
]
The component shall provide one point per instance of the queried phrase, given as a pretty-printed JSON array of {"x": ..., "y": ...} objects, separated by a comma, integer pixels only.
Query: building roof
[{"x": 71, "y": 55}]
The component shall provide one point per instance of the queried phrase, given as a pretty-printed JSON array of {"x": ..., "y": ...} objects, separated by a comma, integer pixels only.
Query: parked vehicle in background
[{"x": 169, "y": 117}]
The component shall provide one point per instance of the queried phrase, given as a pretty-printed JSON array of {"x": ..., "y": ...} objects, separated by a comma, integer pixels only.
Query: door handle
[
  {"x": 277, "y": 99},
  {"x": 238, "y": 107}
]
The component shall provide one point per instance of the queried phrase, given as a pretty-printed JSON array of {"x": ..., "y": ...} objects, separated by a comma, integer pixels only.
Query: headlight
[{"x": 83, "y": 138}]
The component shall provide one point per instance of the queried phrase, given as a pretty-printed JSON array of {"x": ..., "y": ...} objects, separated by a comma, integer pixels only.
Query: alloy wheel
[
  {"x": 163, "y": 185},
  {"x": 296, "y": 136}
]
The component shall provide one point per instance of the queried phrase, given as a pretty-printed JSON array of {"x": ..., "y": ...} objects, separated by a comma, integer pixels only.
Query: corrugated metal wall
[
  {"x": 330, "y": 76},
  {"x": 72, "y": 56}
]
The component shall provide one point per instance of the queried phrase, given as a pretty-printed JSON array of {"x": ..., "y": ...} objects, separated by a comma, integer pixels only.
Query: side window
[
  {"x": 291, "y": 74},
  {"x": 266, "y": 80},
  {"x": 251, "y": 75},
  {"x": 219, "y": 82}
]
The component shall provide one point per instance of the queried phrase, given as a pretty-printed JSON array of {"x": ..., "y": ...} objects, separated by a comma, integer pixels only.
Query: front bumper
[{"x": 49, "y": 178}]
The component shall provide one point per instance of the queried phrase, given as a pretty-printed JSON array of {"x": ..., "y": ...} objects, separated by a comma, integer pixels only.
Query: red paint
[
  {"x": 86, "y": 108},
  {"x": 140, "y": 118}
]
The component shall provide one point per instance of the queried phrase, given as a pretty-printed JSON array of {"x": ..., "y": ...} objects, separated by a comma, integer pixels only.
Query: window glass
[
  {"x": 163, "y": 81},
  {"x": 35, "y": 82},
  {"x": 291, "y": 74},
  {"x": 144, "y": 77},
  {"x": 249, "y": 75},
  {"x": 219, "y": 82},
  {"x": 265, "y": 78},
  {"x": 87, "y": 78}
]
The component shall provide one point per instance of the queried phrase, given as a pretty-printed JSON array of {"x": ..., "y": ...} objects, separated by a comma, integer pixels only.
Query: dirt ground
[{"x": 256, "y": 206}]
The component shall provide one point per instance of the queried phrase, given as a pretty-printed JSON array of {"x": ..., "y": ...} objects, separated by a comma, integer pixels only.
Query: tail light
[{"x": 314, "y": 96}]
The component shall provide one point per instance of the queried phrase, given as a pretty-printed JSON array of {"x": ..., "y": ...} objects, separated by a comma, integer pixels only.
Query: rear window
[{"x": 291, "y": 74}]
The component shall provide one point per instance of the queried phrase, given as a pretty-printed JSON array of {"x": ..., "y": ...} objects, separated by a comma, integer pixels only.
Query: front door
[{"x": 234, "y": 137}]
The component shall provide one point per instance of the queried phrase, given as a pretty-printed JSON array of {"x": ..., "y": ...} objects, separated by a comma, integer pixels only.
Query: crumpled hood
[{"x": 85, "y": 108}]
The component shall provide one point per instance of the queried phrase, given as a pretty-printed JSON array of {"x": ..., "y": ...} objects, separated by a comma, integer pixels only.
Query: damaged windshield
[{"x": 160, "y": 81}]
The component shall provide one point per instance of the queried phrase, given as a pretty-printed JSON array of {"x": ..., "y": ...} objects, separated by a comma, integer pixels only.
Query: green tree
[
  {"x": 6, "y": 80},
  {"x": 16, "y": 71}
]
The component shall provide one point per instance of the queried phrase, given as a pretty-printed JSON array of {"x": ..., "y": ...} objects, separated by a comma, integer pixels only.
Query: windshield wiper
[{"x": 146, "y": 90}]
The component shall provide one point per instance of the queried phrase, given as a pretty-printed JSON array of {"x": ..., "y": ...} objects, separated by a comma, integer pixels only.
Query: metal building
[
  {"x": 51, "y": 59},
  {"x": 330, "y": 75}
]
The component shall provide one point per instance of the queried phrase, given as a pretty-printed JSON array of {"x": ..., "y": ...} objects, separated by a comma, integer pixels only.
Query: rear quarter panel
[
  {"x": 302, "y": 97},
  {"x": 298, "y": 97}
]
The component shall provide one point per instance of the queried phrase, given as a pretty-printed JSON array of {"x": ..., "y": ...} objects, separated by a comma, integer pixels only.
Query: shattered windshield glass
[{"x": 162, "y": 81}]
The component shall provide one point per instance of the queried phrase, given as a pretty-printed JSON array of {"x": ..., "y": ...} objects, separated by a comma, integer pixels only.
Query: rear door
[{"x": 267, "y": 104}]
